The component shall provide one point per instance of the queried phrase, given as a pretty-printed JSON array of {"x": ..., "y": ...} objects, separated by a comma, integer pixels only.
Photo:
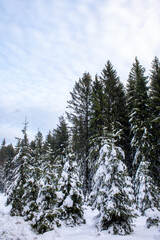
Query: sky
[{"x": 47, "y": 45}]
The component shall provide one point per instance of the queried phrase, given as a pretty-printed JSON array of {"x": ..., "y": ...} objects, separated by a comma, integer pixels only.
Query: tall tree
[
  {"x": 115, "y": 113},
  {"x": 98, "y": 119},
  {"x": 155, "y": 117},
  {"x": 97, "y": 123},
  {"x": 138, "y": 112},
  {"x": 114, "y": 99},
  {"x": 79, "y": 116}
]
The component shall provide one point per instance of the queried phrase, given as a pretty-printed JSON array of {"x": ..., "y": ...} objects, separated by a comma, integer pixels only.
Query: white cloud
[{"x": 46, "y": 46}]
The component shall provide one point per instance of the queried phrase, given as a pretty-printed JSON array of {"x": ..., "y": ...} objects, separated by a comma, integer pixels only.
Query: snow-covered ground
[{"x": 15, "y": 228}]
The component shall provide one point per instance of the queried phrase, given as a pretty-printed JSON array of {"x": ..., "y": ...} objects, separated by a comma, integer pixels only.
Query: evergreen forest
[{"x": 104, "y": 152}]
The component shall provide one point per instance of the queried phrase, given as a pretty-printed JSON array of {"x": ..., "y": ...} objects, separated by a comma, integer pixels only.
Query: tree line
[{"x": 105, "y": 151}]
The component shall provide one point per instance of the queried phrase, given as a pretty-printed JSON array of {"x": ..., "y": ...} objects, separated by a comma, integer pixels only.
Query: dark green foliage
[
  {"x": 118, "y": 224},
  {"x": 155, "y": 87},
  {"x": 80, "y": 111},
  {"x": 114, "y": 110},
  {"x": 138, "y": 112},
  {"x": 60, "y": 137},
  {"x": 79, "y": 116},
  {"x": 97, "y": 121},
  {"x": 155, "y": 118},
  {"x": 114, "y": 99}
]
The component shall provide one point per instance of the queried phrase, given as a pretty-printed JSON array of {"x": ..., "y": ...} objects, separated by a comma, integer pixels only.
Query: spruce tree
[
  {"x": 22, "y": 174},
  {"x": 70, "y": 197},
  {"x": 115, "y": 112},
  {"x": 60, "y": 137},
  {"x": 138, "y": 112},
  {"x": 114, "y": 99},
  {"x": 97, "y": 121},
  {"x": 147, "y": 194},
  {"x": 45, "y": 217},
  {"x": 33, "y": 184},
  {"x": 112, "y": 192},
  {"x": 79, "y": 116},
  {"x": 155, "y": 118},
  {"x": 146, "y": 191},
  {"x": 8, "y": 167}
]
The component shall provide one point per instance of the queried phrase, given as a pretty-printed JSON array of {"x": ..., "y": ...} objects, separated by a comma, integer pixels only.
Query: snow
[
  {"x": 152, "y": 213},
  {"x": 15, "y": 228},
  {"x": 60, "y": 194},
  {"x": 68, "y": 202}
]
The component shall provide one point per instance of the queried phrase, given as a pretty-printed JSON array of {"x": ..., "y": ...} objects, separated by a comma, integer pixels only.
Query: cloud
[
  {"x": 46, "y": 46},
  {"x": 130, "y": 30}
]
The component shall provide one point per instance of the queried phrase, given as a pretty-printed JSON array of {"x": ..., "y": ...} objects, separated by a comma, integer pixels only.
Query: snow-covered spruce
[
  {"x": 33, "y": 184},
  {"x": 17, "y": 193},
  {"x": 45, "y": 217},
  {"x": 70, "y": 197},
  {"x": 147, "y": 194},
  {"x": 112, "y": 192}
]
